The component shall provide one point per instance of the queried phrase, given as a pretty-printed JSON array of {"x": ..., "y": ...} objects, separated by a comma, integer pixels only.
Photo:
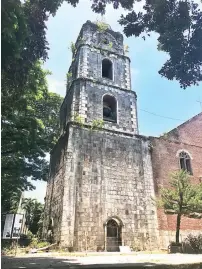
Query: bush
[
  {"x": 70, "y": 249},
  {"x": 136, "y": 246},
  {"x": 6, "y": 245},
  {"x": 34, "y": 243},
  {"x": 42, "y": 244},
  {"x": 30, "y": 235},
  {"x": 193, "y": 244},
  {"x": 24, "y": 240}
]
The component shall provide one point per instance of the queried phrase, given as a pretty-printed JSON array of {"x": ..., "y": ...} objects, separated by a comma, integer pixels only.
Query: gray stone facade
[{"x": 103, "y": 174}]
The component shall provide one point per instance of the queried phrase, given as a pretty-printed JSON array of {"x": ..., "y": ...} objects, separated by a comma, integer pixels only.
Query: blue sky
[{"x": 155, "y": 94}]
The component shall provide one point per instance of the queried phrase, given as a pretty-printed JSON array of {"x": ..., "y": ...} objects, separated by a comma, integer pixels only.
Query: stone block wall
[
  {"x": 126, "y": 107},
  {"x": 107, "y": 39},
  {"x": 85, "y": 99},
  {"x": 90, "y": 66},
  {"x": 73, "y": 105},
  {"x": 106, "y": 177},
  {"x": 55, "y": 190},
  {"x": 112, "y": 172}
]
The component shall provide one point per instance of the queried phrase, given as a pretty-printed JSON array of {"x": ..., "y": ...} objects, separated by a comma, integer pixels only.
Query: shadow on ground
[{"x": 8, "y": 262}]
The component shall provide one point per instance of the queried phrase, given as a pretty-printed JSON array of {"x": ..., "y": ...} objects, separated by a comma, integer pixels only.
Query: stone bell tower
[
  {"x": 100, "y": 75},
  {"x": 98, "y": 194}
]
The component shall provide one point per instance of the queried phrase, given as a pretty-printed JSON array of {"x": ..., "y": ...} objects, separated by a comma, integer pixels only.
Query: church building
[{"x": 103, "y": 173}]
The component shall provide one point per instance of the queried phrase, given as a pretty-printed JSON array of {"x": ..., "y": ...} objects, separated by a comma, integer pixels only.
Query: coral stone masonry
[{"x": 103, "y": 174}]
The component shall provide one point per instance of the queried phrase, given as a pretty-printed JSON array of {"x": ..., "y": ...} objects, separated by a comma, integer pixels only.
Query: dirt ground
[{"x": 93, "y": 260}]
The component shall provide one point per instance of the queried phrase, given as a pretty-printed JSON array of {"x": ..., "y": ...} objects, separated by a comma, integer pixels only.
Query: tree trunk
[{"x": 177, "y": 237}]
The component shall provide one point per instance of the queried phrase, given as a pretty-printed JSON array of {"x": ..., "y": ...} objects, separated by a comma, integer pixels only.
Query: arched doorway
[{"x": 113, "y": 235}]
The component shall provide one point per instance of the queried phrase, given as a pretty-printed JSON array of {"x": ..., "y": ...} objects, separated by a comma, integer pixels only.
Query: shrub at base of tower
[
  {"x": 181, "y": 198},
  {"x": 193, "y": 244}
]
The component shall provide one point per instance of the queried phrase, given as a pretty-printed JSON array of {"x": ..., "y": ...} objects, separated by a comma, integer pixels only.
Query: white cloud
[{"x": 56, "y": 86}]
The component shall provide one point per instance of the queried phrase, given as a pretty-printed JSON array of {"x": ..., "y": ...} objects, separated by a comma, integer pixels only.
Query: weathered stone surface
[
  {"x": 96, "y": 175},
  {"x": 111, "y": 173},
  {"x": 106, "y": 176}
]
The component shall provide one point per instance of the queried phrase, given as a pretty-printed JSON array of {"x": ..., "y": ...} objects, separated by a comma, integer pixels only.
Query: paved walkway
[{"x": 57, "y": 261}]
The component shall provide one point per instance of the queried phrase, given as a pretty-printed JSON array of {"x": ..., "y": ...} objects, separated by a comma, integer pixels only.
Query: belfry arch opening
[
  {"x": 107, "y": 69},
  {"x": 109, "y": 108}
]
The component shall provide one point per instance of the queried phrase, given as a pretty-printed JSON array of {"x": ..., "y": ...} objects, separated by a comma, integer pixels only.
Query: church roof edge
[{"x": 186, "y": 122}]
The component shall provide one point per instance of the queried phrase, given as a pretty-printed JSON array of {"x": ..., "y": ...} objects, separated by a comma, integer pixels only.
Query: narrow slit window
[
  {"x": 185, "y": 162},
  {"x": 107, "y": 69},
  {"x": 109, "y": 108}
]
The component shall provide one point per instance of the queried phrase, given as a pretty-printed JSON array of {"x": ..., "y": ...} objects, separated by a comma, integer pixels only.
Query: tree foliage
[
  {"x": 30, "y": 113},
  {"x": 178, "y": 24},
  {"x": 24, "y": 39},
  {"x": 181, "y": 198},
  {"x": 30, "y": 128},
  {"x": 33, "y": 212}
]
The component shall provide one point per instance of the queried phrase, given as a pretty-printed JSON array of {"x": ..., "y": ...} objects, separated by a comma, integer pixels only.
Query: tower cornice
[
  {"x": 101, "y": 50},
  {"x": 99, "y": 83}
]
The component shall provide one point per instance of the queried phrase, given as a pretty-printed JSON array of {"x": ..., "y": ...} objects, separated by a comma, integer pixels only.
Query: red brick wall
[
  {"x": 165, "y": 161},
  {"x": 190, "y": 132},
  {"x": 168, "y": 222}
]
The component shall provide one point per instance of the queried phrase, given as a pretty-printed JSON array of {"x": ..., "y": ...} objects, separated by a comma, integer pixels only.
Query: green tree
[
  {"x": 13, "y": 201},
  {"x": 33, "y": 212},
  {"x": 27, "y": 205},
  {"x": 178, "y": 24},
  {"x": 181, "y": 198},
  {"x": 30, "y": 114},
  {"x": 37, "y": 215},
  {"x": 30, "y": 129},
  {"x": 40, "y": 226},
  {"x": 24, "y": 40}
]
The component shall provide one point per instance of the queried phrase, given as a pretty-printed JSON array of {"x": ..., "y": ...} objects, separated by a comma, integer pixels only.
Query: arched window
[
  {"x": 109, "y": 108},
  {"x": 185, "y": 162},
  {"x": 107, "y": 71}
]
